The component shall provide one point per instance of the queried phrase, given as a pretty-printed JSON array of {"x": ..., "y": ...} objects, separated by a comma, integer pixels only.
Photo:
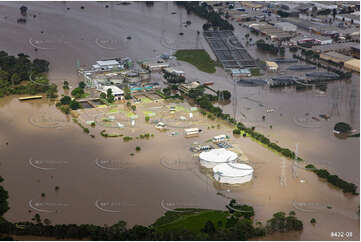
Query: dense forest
[{"x": 20, "y": 75}]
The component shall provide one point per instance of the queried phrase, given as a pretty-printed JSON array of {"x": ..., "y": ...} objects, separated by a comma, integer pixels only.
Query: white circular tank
[
  {"x": 233, "y": 173},
  {"x": 214, "y": 157}
]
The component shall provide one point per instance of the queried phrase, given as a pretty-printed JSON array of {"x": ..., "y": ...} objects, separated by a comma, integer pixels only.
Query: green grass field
[
  {"x": 198, "y": 58},
  {"x": 146, "y": 100},
  {"x": 192, "y": 220},
  {"x": 149, "y": 113}
]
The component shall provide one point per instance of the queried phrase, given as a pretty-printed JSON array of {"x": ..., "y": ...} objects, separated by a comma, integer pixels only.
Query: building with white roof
[
  {"x": 214, "y": 157},
  {"x": 116, "y": 91},
  {"x": 106, "y": 65},
  {"x": 233, "y": 173}
]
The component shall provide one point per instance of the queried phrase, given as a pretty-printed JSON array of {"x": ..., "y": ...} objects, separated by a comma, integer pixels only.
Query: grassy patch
[
  {"x": 149, "y": 113},
  {"x": 113, "y": 110},
  {"x": 193, "y": 220},
  {"x": 131, "y": 115},
  {"x": 180, "y": 108},
  {"x": 198, "y": 58},
  {"x": 146, "y": 100}
]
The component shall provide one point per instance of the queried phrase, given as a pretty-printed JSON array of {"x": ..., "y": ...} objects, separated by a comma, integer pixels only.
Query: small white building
[
  {"x": 214, "y": 157},
  {"x": 155, "y": 66},
  {"x": 106, "y": 65},
  {"x": 219, "y": 138},
  {"x": 285, "y": 26},
  {"x": 272, "y": 66},
  {"x": 173, "y": 71},
  {"x": 116, "y": 91},
  {"x": 233, "y": 173}
]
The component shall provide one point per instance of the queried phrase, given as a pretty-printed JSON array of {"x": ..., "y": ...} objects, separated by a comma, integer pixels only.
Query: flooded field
[{"x": 98, "y": 179}]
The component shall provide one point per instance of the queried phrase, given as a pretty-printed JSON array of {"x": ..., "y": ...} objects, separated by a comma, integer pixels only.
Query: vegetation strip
[
  {"x": 198, "y": 58},
  {"x": 347, "y": 187}
]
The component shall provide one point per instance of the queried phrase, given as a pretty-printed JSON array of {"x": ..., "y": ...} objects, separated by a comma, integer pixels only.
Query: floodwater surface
[{"x": 47, "y": 150}]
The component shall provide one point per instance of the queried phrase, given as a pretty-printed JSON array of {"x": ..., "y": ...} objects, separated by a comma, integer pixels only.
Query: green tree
[
  {"x": 209, "y": 228},
  {"x": 110, "y": 97},
  {"x": 66, "y": 85},
  {"x": 103, "y": 95},
  {"x": 65, "y": 100},
  {"x": 127, "y": 94},
  {"x": 52, "y": 90},
  {"x": 81, "y": 85},
  {"x": 74, "y": 105},
  {"x": 77, "y": 92},
  {"x": 15, "y": 79}
]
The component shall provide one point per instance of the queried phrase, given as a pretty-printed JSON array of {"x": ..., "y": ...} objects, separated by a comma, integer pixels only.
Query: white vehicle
[
  {"x": 192, "y": 132},
  {"x": 219, "y": 138},
  {"x": 161, "y": 125}
]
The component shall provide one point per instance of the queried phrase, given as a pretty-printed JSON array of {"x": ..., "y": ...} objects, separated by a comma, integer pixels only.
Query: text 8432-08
[{"x": 341, "y": 234}]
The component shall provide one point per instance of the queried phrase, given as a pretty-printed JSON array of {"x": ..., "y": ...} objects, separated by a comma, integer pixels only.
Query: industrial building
[
  {"x": 284, "y": 26},
  {"x": 335, "y": 57},
  {"x": 173, "y": 71},
  {"x": 272, "y": 66},
  {"x": 353, "y": 65},
  {"x": 240, "y": 73},
  {"x": 229, "y": 50},
  {"x": 116, "y": 91},
  {"x": 233, "y": 173},
  {"x": 186, "y": 87},
  {"x": 210, "y": 159},
  {"x": 155, "y": 66},
  {"x": 271, "y": 31}
]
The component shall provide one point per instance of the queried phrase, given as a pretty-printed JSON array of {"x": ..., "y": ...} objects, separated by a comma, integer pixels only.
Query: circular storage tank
[
  {"x": 233, "y": 173},
  {"x": 214, "y": 157}
]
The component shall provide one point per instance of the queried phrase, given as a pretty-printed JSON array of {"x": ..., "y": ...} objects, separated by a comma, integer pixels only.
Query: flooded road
[{"x": 46, "y": 150}]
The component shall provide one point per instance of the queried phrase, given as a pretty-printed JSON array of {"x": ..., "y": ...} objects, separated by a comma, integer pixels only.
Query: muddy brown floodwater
[{"x": 46, "y": 149}]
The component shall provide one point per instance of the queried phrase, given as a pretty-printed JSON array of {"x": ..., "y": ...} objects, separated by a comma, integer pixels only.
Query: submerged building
[
  {"x": 233, "y": 173},
  {"x": 215, "y": 157}
]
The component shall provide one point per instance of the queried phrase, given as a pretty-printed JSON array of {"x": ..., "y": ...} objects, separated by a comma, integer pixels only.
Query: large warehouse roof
[
  {"x": 233, "y": 169},
  {"x": 218, "y": 155},
  {"x": 335, "y": 57},
  {"x": 353, "y": 64}
]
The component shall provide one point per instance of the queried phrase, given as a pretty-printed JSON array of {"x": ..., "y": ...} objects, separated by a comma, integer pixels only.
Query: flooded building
[
  {"x": 353, "y": 65},
  {"x": 116, "y": 91},
  {"x": 240, "y": 72},
  {"x": 272, "y": 66},
  {"x": 233, "y": 173},
  {"x": 335, "y": 57},
  {"x": 210, "y": 159}
]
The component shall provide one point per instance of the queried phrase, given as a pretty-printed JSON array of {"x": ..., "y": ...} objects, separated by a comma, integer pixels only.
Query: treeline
[
  {"x": 4, "y": 206},
  {"x": 347, "y": 187},
  {"x": 262, "y": 45},
  {"x": 238, "y": 225},
  {"x": 15, "y": 73},
  {"x": 206, "y": 11},
  {"x": 173, "y": 78},
  {"x": 205, "y": 101},
  {"x": 264, "y": 140}
]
